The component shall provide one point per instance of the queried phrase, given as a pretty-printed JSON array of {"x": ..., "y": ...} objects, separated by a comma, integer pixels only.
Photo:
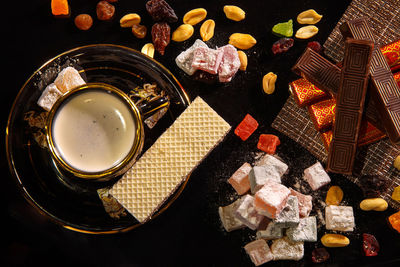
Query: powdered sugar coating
[
  {"x": 305, "y": 202},
  {"x": 185, "y": 58},
  {"x": 316, "y": 176},
  {"x": 271, "y": 199},
  {"x": 230, "y": 63},
  {"x": 207, "y": 59},
  {"x": 247, "y": 214},
  {"x": 240, "y": 179}
]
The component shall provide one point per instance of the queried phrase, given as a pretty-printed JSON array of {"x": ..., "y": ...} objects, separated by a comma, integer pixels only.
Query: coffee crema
[{"x": 93, "y": 131}]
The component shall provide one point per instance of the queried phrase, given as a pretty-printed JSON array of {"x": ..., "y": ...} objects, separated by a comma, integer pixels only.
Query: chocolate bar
[
  {"x": 318, "y": 70},
  {"x": 383, "y": 88},
  {"x": 350, "y": 105}
]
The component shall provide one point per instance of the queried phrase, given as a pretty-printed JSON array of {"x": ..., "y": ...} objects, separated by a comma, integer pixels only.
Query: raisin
[
  {"x": 319, "y": 255},
  {"x": 370, "y": 245},
  {"x": 373, "y": 185},
  {"x": 316, "y": 46},
  {"x": 160, "y": 33},
  {"x": 83, "y": 22},
  {"x": 160, "y": 10},
  {"x": 282, "y": 45},
  {"x": 104, "y": 10}
]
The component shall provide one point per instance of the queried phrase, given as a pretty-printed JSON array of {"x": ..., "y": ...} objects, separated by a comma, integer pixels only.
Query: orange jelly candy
[
  {"x": 394, "y": 220},
  {"x": 59, "y": 7}
]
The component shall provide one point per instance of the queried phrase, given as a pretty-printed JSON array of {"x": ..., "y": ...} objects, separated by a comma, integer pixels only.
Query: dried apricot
[
  {"x": 394, "y": 221},
  {"x": 104, "y": 10},
  {"x": 59, "y": 7},
  {"x": 83, "y": 22},
  {"x": 334, "y": 195}
]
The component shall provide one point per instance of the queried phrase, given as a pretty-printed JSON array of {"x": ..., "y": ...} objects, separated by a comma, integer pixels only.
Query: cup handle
[{"x": 148, "y": 108}]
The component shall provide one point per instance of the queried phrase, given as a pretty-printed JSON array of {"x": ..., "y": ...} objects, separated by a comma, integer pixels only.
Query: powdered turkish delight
[
  {"x": 49, "y": 96},
  {"x": 284, "y": 249},
  {"x": 316, "y": 176},
  {"x": 270, "y": 232},
  {"x": 305, "y": 231},
  {"x": 230, "y": 63},
  {"x": 339, "y": 218},
  {"x": 207, "y": 59},
  {"x": 289, "y": 216},
  {"x": 305, "y": 202},
  {"x": 259, "y": 252},
  {"x": 247, "y": 214},
  {"x": 259, "y": 175},
  {"x": 279, "y": 165},
  {"x": 184, "y": 59},
  {"x": 271, "y": 199},
  {"x": 228, "y": 218},
  {"x": 68, "y": 79},
  {"x": 240, "y": 179}
]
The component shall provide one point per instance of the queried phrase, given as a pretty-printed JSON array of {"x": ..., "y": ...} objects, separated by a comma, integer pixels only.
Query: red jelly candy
[
  {"x": 268, "y": 143},
  {"x": 316, "y": 46},
  {"x": 370, "y": 245},
  {"x": 246, "y": 127},
  {"x": 319, "y": 255}
]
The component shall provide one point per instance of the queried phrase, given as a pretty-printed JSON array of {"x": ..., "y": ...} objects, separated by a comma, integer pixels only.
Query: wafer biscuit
[{"x": 166, "y": 164}]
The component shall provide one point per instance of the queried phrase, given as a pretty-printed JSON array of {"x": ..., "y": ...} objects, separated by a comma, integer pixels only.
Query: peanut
[
  {"x": 182, "y": 33},
  {"x": 129, "y": 20},
  {"x": 376, "y": 204},
  {"x": 194, "y": 16},
  {"x": 269, "y": 80},
  {"x": 396, "y": 193},
  {"x": 207, "y": 30},
  {"x": 234, "y": 13},
  {"x": 306, "y": 32},
  {"x": 242, "y": 40},
  {"x": 243, "y": 60},
  {"x": 396, "y": 162},
  {"x": 334, "y": 195},
  {"x": 309, "y": 17},
  {"x": 148, "y": 49},
  {"x": 139, "y": 31},
  {"x": 334, "y": 240}
]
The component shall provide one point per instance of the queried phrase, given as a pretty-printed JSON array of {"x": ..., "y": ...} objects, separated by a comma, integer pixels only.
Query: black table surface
[{"x": 189, "y": 232}]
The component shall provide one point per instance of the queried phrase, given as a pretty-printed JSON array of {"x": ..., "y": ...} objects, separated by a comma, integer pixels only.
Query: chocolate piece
[
  {"x": 383, "y": 88},
  {"x": 318, "y": 70},
  {"x": 350, "y": 105}
]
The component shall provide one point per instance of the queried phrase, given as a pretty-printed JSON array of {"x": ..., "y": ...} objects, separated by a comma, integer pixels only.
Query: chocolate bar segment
[
  {"x": 350, "y": 105},
  {"x": 383, "y": 88},
  {"x": 318, "y": 70}
]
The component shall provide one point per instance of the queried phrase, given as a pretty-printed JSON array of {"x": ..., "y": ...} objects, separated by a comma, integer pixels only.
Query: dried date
[
  {"x": 160, "y": 10},
  {"x": 282, "y": 45},
  {"x": 160, "y": 33}
]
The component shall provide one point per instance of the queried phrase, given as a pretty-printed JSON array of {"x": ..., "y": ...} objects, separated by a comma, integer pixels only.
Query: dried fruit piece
[
  {"x": 319, "y": 255},
  {"x": 373, "y": 185},
  {"x": 396, "y": 162},
  {"x": 182, "y": 33},
  {"x": 316, "y": 46},
  {"x": 394, "y": 221},
  {"x": 139, "y": 31},
  {"x": 242, "y": 40},
  {"x": 268, "y": 143},
  {"x": 104, "y": 10},
  {"x": 246, "y": 127},
  {"x": 370, "y": 245},
  {"x": 283, "y": 29},
  {"x": 148, "y": 49},
  {"x": 282, "y": 45},
  {"x": 243, "y": 60},
  {"x": 334, "y": 195},
  {"x": 334, "y": 240},
  {"x": 376, "y": 204},
  {"x": 194, "y": 16},
  {"x": 234, "y": 13},
  {"x": 160, "y": 33},
  {"x": 268, "y": 82},
  {"x": 60, "y": 7},
  {"x": 207, "y": 30},
  {"x": 309, "y": 17},
  {"x": 159, "y": 10},
  {"x": 83, "y": 22},
  {"x": 396, "y": 193},
  {"x": 306, "y": 32},
  {"x": 129, "y": 20}
]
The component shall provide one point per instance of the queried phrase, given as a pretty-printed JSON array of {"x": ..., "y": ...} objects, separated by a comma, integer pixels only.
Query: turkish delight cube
[
  {"x": 268, "y": 143},
  {"x": 284, "y": 249},
  {"x": 207, "y": 59},
  {"x": 240, "y": 179},
  {"x": 49, "y": 96},
  {"x": 305, "y": 231},
  {"x": 259, "y": 252},
  {"x": 279, "y": 165},
  {"x": 228, "y": 218},
  {"x": 271, "y": 199},
  {"x": 247, "y": 213},
  {"x": 184, "y": 59},
  {"x": 305, "y": 202},
  {"x": 68, "y": 79},
  {"x": 246, "y": 127},
  {"x": 230, "y": 63},
  {"x": 270, "y": 232},
  {"x": 316, "y": 176},
  {"x": 339, "y": 218},
  {"x": 289, "y": 216},
  {"x": 259, "y": 175}
]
